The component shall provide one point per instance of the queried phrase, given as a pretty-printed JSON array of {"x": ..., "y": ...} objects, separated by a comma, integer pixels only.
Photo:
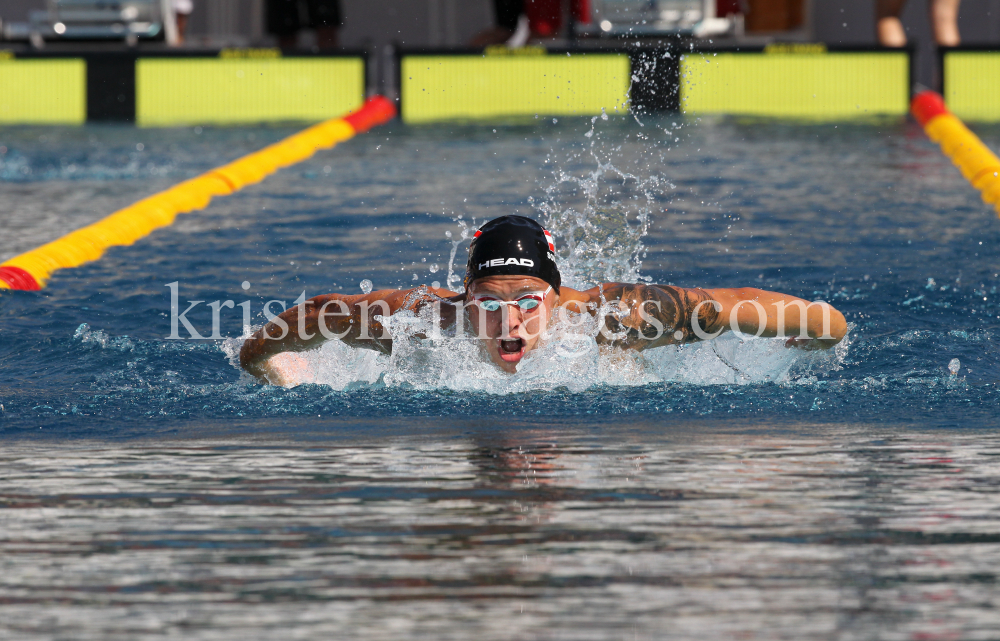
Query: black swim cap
[{"x": 513, "y": 245}]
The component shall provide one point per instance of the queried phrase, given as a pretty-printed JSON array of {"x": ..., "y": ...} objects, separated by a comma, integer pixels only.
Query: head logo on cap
[{"x": 513, "y": 246}]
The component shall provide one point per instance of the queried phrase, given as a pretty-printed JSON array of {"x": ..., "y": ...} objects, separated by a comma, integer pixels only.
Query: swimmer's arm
[
  {"x": 656, "y": 315},
  {"x": 649, "y": 315},
  {"x": 807, "y": 325},
  {"x": 335, "y": 316}
]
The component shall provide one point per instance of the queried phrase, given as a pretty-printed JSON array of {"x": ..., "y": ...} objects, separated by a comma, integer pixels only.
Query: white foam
[
  {"x": 568, "y": 358},
  {"x": 599, "y": 216}
]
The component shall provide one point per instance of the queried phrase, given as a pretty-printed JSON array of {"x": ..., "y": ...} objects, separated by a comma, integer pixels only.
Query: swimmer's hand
[{"x": 286, "y": 369}]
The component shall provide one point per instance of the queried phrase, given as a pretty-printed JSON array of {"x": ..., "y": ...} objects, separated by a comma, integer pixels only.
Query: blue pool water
[{"x": 727, "y": 490}]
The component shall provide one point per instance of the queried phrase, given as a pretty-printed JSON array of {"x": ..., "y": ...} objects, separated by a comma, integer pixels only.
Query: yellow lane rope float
[
  {"x": 31, "y": 270},
  {"x": 979, "y": 165}
]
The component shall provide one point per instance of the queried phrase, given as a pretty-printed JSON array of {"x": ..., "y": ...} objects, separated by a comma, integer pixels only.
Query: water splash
[
  {"x": 599, "y": 216},
  {"x": 454, "y": 282},
  {"x": 597, "y": 213},
  {"x": 568, "y": 358}
]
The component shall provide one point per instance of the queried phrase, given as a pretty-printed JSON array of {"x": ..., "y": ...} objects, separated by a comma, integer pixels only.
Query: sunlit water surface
[{"x": 733, "y": 489}]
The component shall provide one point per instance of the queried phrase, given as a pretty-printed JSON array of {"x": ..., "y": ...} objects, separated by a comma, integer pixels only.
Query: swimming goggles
[{"x": 526, "y": 302}]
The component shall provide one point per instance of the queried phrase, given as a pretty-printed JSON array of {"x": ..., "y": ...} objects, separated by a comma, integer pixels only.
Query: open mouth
[{"x": 511, "y": 349}]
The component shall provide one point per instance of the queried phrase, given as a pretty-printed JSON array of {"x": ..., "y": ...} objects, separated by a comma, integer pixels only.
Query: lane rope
[
  {"x": 31, "y": 270},
  {"x": 978, "y": 164}
]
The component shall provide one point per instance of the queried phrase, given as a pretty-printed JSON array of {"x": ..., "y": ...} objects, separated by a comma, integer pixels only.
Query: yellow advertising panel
[
  {"x": 43, "y": 91},
  {"x": 972, "y": 84},
  {"x": 825, "y": 85},
  {"x": 481, "y": 87},
  {"x": 238, "y": 90}
]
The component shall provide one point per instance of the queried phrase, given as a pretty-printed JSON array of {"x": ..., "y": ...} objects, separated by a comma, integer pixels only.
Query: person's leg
[
  {"x": 506, "y": 13},
  {"x": 182, "y": 9},
  {"x": 283, "y": 21},
  {"x": 182, "y": 20},
  {"x": 890, "y": 29},
  {"x": 944, "y": 22}
]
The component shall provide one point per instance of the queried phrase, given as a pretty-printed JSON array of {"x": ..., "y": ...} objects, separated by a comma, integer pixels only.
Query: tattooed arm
[
  {"x": 335, "y": 316},
  {"x": 816, "y": 325},
  {"x": 654, "y": 315}
]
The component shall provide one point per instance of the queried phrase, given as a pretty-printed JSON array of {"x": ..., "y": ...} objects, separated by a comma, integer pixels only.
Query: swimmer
[{"x": 513, "y": 293}]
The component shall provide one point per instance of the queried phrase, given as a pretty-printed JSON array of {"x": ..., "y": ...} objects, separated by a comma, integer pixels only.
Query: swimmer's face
[{"x": 509, "y": 332}]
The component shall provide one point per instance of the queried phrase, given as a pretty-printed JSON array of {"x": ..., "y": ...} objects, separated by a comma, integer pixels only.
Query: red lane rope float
[
  {"x": 978, "y": 164},
  {"x": 32, "y": 269},
  {"x": 17, "y": 278}
]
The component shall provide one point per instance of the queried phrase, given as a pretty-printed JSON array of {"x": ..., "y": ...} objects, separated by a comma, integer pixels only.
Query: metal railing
[{"x": 128, "y": 20}]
